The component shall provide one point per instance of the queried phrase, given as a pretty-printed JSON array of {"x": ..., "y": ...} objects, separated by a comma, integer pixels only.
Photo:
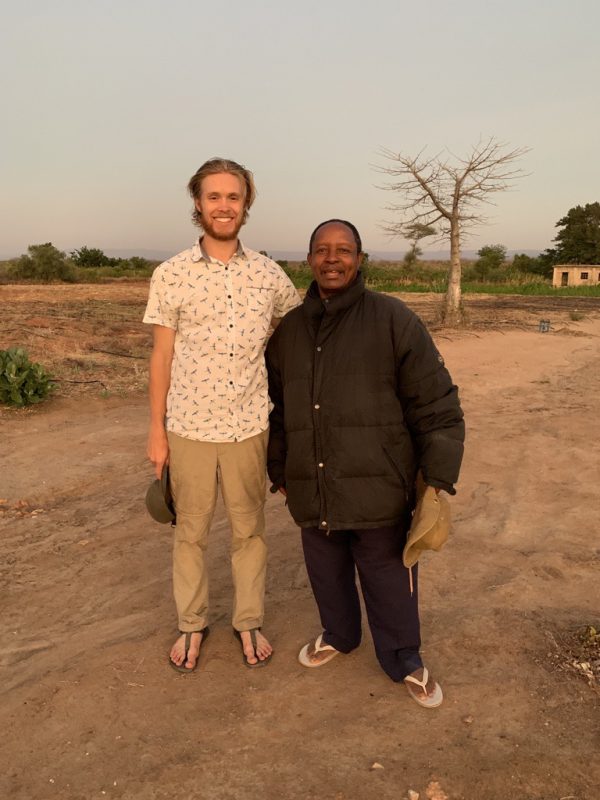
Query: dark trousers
[{"x": 393, "y": 614}]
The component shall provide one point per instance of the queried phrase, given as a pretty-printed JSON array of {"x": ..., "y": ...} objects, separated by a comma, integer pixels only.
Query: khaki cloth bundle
[{"x": 429, "y": 528}]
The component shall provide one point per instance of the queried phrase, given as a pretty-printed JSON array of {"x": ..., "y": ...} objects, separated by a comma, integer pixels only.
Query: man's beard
[{"x": 207, "y": 227}]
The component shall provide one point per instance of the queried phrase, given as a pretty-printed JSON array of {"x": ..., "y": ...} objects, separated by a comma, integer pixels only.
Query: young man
[
  {"x": 212, "y": 307},
  {"x": 362, "y": 403}
]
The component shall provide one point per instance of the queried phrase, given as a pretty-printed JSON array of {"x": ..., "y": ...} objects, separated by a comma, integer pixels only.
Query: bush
[
  {"x": 490, "y": 262},
  {"x": 21, "y": 381},
  {"x": 533, "y": 266},
  {"x": 90, "y": 257},
  {"x": 44, "y": 263}
]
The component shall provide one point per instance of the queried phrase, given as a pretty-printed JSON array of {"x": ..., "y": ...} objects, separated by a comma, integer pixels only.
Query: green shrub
[
  {"x": 44, "y": 263},
  {"x": 21, "y": 381},
  {"x": 90, "y": 257}
]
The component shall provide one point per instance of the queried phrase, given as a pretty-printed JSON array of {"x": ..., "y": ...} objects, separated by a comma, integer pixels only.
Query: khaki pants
[{"x": 241, "y": 470}]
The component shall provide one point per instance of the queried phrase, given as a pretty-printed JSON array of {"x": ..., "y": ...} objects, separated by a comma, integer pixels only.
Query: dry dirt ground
[{"x": 89, "y": 706}]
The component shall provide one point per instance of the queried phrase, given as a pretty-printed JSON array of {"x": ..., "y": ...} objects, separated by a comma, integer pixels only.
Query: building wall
[{"x": 576, "y": 275}]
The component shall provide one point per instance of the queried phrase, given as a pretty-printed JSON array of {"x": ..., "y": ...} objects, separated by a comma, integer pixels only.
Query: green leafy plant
[
  {"x": 21, "y": 381},
  {"x": 44, "y": 263}
]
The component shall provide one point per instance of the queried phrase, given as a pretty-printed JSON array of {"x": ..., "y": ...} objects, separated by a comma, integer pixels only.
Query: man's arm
[
  {"x": 431, "y": 407},
  {"x": 286, "y": 298},
  {"x": 160, "y": 380},
  {"x": 276, "y": 451}
]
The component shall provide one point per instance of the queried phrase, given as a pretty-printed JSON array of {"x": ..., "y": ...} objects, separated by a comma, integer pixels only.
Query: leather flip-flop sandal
[
  {"x": 188, "y": 640},
  {"x": 259, "y": 663}
]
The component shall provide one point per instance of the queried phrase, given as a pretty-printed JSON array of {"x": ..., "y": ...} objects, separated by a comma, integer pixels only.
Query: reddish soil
[{"x": 90, "y": 707}]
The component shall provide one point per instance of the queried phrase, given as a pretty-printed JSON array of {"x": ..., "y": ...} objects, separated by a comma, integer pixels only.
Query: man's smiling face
[
  {"x": 221, "y": 204},
  {"x": 334, "y": 258}
]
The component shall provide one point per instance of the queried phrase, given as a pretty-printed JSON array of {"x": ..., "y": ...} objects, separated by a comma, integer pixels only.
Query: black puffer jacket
[{"x": 361, "y": 401}]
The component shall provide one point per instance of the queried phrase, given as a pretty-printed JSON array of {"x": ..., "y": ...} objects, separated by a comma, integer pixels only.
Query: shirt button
[
  {"x": 319, "y": 349},
  {"x": 231, "y": 355},
  {"x": 229, "y": 297},
  {"x": 231, "y": 383},
  {"x": 231, "y": 324},
  {"x": 317, "y": 406},
  {"x": 321, "y": 464}
]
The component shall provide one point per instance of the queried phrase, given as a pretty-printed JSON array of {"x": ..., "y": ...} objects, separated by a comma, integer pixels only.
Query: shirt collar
[{"x": 199, "y": 254}]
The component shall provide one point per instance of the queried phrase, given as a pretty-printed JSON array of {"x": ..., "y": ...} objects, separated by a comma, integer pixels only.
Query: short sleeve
[
  {"x": 286, "y": 296},
  {"x": 162, "y": 307}
]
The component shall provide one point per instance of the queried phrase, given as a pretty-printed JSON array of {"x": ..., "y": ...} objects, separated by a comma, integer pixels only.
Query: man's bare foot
[
  {"x": 263, "y": 648},
  {"x": 422, "y": 688},
  {"x": 177, "y": 654},
  {"x": 316, "y": 653}
]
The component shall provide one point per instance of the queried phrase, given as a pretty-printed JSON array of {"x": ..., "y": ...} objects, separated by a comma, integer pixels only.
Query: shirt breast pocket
[{"x": 259, "y": 309}]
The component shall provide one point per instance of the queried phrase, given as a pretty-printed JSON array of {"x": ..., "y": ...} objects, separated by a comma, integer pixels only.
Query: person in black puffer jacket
[{"x": 362, "y": 402}]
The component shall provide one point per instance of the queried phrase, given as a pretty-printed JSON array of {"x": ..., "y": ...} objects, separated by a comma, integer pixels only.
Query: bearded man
[{"x": 212, "y": 308}]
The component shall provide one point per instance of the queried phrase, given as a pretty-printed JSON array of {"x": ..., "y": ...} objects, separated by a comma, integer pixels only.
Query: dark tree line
[
  {"x": 45, "y": 263},
  {"x": 577, "y": 242}
]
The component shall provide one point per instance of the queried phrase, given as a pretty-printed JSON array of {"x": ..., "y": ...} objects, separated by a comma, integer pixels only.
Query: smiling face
[
  {"x": 334, "y": 258},
  {"x": 221, "y": 205}
]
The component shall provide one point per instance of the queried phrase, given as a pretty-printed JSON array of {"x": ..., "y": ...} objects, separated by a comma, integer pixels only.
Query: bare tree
[{"x": 446, "y": 191}]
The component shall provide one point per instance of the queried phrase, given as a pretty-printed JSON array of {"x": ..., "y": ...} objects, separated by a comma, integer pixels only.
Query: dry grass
[{"x": 91, "y": 338}]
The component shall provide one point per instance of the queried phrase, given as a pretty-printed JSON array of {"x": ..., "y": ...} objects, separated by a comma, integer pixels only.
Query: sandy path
[{"x": 90, "y": 708}]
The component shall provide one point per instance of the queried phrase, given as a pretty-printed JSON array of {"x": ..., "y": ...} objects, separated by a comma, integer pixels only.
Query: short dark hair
[{"x": 345, "y": 222}]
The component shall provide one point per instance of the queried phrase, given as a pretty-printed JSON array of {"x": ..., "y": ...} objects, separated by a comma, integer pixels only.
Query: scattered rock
[
  {"x": 377, "y": 765},
  {"x": 435, "y": 792}
]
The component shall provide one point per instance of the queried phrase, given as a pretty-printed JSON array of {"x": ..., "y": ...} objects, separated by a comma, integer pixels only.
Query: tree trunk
[{"x": 452, "y": 306}]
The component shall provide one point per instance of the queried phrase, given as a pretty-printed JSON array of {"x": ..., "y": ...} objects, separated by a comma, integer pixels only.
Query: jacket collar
[{"x": 314, "y": 306}]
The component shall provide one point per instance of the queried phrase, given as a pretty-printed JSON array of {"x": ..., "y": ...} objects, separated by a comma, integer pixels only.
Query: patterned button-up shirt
[{"x": 221, "y": 314}]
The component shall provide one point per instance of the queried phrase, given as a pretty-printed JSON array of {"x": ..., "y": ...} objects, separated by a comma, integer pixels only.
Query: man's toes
[
  {"x": 248, "y": 647},
  {"x": 316, "y": 658},
  {"x": 177, "y": 654},
  {"x": 263, "y": 648},
  {"x": 191, "y": 660},
  {"x": 194, "y": 650}
]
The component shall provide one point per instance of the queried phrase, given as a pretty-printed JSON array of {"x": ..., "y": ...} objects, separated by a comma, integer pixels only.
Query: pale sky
[{"x": 109, "y": 107}]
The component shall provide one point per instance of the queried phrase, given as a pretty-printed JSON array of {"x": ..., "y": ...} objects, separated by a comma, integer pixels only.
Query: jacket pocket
[
  {"x": 396, "y": 457},
  {"x": 401, "y": 457}
]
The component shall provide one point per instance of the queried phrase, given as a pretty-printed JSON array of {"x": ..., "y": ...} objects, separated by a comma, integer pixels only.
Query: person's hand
[{"x": 158, "y": 449}]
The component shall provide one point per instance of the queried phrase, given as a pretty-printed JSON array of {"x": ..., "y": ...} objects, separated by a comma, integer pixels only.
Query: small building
[{"x": 576, "y": 275}]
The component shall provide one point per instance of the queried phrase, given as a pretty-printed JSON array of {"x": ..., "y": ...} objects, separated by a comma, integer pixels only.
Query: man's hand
[{"x": 158, "y": 449}]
